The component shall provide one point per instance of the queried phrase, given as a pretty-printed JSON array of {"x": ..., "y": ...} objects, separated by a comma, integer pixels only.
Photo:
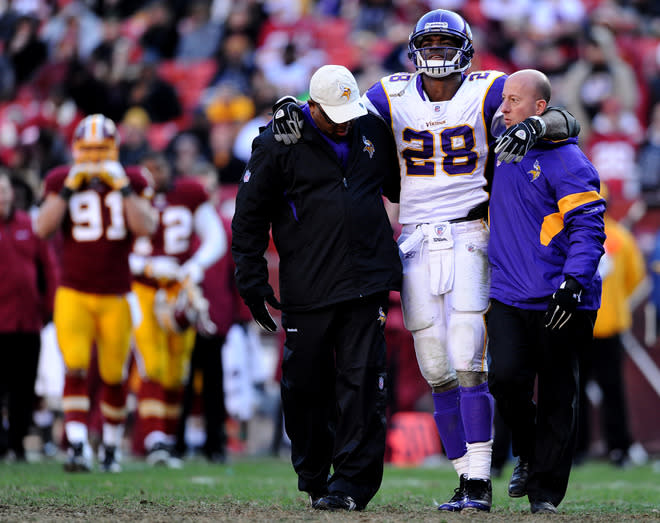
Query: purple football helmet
[{"x": 445, "y": 60}]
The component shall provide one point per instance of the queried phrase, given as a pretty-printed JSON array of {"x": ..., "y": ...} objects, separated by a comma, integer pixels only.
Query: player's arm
[
  {"x": 52, "y": 210},
  {"x": 556, "y": 123},
  {"x": 141, "y": 217},
  {"x": 213, "y": 242}
]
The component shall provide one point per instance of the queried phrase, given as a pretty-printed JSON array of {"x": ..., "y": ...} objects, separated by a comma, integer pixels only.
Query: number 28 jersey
[
  {"x": 442, "y": 146},
  {"x": 96, "y": 240}
]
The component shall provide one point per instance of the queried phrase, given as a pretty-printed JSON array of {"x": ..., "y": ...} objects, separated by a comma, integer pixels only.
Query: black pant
[
  {"x": 207, "y": 356},
  {"x": 18, "y": 373},
  {"x": 522, "y": 350},
  {"x": 334, "y": 392},
  {"x": 602, "y": 361}
]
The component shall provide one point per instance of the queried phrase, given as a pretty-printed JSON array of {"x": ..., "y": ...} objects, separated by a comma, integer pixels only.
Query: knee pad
[
  {"x": 466, "y": 339},
  {"x": 432, "y": 356}
]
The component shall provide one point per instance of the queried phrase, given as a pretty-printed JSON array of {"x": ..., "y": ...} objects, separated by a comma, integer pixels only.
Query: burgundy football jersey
[
  {"x": 96, "y": 241},
  {"x": 175, "y": 234}
]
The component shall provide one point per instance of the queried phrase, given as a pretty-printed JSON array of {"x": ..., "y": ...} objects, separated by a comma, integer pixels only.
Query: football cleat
[
  {"x": 455, "y": 504},
  {"x": 109, "y": 461},
  {"x": 79, "y": 458},
  {"x": 158, "y": 455},
  {"x": 479, "y": 495}
]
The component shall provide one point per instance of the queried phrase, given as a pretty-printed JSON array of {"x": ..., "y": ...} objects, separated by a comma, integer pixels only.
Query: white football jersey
[{"x": 442, "y": 146}]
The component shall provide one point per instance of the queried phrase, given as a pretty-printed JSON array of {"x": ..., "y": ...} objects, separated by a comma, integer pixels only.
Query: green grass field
[{"x": 264, "y": 489}]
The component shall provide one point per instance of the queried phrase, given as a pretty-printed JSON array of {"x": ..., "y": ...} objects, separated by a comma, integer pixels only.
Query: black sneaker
[
  {"x": 519, "y": 477},
  {"x": 455, "y": 504},
  {"x": 479, "y": 495},
  {"x": 337, "y": 502}
]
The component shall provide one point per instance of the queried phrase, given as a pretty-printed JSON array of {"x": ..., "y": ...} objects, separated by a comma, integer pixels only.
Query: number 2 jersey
[
  {"x": 96, "y": 241},
  {"x": 442, "y": 146}
]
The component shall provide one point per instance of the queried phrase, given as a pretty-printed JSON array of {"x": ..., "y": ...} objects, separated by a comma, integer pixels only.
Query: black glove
[
  {"x": 563, "y": 304},
  {"x": 518, "y": 139},
  {"x": 287, "y": 120},
  {"x": 260, "y": 312}
]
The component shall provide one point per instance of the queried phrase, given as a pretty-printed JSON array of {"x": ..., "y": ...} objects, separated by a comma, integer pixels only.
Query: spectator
[
  {"x": 154, "y": 94},
  {"x": 335, "y": 274},
  {"x": 599, "y": 74},
  {"x": 25, "y": 49},
  {"x": 622, "y": 269},
  {"x": 545, "y": 244},
  {"x": 199, "y": 35},
  {"x": 135, "y": 144},
  {"x": 27, "y": 288},
  {"x": 91, "y": 310},
  {"x": 160, "y": 38},
  {"x": 648, "y": 160}
]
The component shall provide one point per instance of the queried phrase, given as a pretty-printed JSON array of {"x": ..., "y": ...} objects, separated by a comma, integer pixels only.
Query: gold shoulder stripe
[{"x": 554, "y": 223}]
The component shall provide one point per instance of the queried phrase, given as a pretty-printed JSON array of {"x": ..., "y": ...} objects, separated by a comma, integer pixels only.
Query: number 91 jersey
[
  {"x": 442, "y": 146},
  {"x": 96, "y": 240}
]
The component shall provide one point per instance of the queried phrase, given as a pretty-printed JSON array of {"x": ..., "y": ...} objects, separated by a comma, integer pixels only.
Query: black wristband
[
  {"x": 66, "y": 193},
  {"x": 126, "y": 190}
]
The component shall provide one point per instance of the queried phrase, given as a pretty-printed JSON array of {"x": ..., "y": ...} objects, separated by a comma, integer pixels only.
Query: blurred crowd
[{"x": 196, "y": 79}]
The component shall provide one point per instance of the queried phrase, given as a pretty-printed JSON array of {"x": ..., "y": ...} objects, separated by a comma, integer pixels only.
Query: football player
[
  {"x": 168, "y": 270},
  {"x": 443, "y": 119},
  {"x": 99, "y": 207}
]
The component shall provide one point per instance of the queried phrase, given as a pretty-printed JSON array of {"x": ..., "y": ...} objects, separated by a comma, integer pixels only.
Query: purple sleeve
[
  {"x": 493, "y": 99},
  {"x": 376, "y": 95}
]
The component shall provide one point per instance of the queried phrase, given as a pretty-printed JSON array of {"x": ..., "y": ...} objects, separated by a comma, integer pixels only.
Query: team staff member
[
  {"x": 100, "y": 208},
  {"x": 338, "y": 262},
  {"x": 27, "y": 288},
  {"x": 546, "y": 240}
]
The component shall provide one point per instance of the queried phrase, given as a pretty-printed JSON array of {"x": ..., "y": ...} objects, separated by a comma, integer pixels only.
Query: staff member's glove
[
  {"x": 518, "y": 139},
  {"x": 260, "y": 312},
  {"x": 287, "y": 120},
  {"x": 563, "y": 304}
]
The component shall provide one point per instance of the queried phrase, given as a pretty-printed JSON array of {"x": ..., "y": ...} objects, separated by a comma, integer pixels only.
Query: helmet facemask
[{"x": 438, "y": 62}]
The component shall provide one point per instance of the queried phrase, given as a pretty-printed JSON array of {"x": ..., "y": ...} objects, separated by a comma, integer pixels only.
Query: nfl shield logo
[
  {"x": 440, "y": 229},
  {"x": 381, "y": 383},
  {"x": 246, "y": 176}
]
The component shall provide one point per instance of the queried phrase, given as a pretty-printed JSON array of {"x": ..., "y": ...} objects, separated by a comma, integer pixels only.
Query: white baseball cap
[{"x": 334, "y": 88}]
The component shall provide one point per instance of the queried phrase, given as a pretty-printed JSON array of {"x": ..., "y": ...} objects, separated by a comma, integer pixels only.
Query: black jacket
[{"x": 330, "y": 227}]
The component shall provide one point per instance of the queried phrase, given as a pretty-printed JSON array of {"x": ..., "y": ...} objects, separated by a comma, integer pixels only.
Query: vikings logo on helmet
[
  {"x": 95, "y": 140},
  {"x": 382, "y": 317},
  {"x": 368, "y": 147},
  {"x": 443, "y": 60}
]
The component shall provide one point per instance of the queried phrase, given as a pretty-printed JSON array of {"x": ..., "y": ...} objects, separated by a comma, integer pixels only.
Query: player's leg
[
  {"x": 424, "y": 317},
  {"x": 180, "y": 346},
  {"x": 75, "y": 327},
  {"x": 115, "y": 325},
  {"x": 151, "y": 358},
  {"x": 466, "y": 305}
]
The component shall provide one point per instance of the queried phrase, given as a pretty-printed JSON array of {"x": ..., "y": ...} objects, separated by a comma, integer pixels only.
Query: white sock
[
  {"x": 462, "y": 464},
  {"x": 112, "y": 435},
  {"x": 480, "y": 454},
  {"x": 76, "y": 432}
]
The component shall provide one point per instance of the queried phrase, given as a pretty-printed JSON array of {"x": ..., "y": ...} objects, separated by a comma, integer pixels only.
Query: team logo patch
[
  {"x": 535, "y": 171},
  {"x": 345, "y": 92},
  {"x": 382, "y": 317},
  {"x": 246, "y": 176},
  {"x": 368, "y": 147}
]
